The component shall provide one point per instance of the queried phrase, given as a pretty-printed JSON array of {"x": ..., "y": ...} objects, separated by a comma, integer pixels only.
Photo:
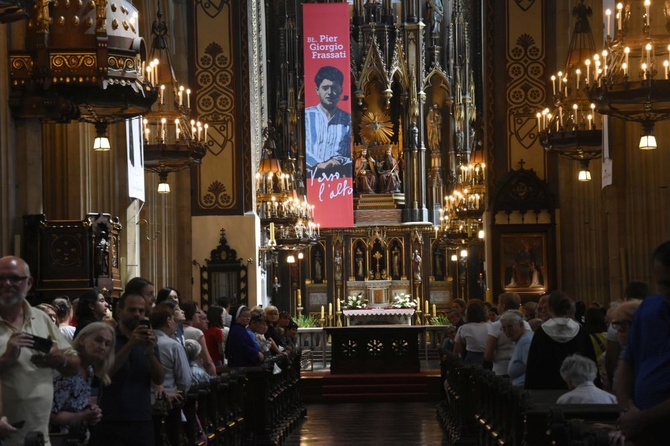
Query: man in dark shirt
[
  {"x": 126, "y": 402},
  {"x": 642, "y": 380}
]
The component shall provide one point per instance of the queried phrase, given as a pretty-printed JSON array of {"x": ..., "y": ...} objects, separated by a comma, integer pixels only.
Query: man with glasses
[
  {"x": 643, "y": 375},
  {"x": 25, "y": 373}
]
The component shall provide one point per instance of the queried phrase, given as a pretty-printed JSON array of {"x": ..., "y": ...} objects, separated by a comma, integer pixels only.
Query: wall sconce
[
  {"x": 480, "y": 234},
  {"x": 301, "y": 255},
  {"x": 464, "y": 253},
  {"x": 584, "y": 172},
  {"x": 290, "y": 258},
  {"x": 454, "y": 258},
  {"x": 163, "y": 186},
  {"x": 101, "y": 142}
]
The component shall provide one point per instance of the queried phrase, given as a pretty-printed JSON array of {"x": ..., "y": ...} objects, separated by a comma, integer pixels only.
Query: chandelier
[
  {"x": 461, "y": 217},
  {"x": 631, "y": 82},
  {"x": 287, "y": 219},
  {"x": 173, "y": 139},
  {"x": 572, "y": 128},
  {"x": 81, "y": 61}
]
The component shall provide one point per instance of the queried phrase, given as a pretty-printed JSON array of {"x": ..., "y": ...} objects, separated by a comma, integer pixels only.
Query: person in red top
[{"x": 215, "y": 335}]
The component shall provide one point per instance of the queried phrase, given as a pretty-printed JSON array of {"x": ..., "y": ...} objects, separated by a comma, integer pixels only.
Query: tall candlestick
[
  {"x": 162, "y": 94},
  {"x": 299, "y": 299},
  {"x": 619, "y": 14},
  {"x": 206, "y": 127},
  {"x": 323, "y": 312},
  {"x": 330, "y": 308},
  {"x": 426, "y": 306},
  {"x": 176, "y": 126},
  {"x": 338, "y": 306},
  {"x": 188, "y": 98},
  {"x": 608, "y": 13},
  {"x": 272, "y": 232}
]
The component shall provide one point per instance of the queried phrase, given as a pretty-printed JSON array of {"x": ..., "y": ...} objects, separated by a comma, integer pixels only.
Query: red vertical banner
[{"x": 328, "y": 132}]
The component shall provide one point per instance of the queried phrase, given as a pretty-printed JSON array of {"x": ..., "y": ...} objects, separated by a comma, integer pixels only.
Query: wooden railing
[{"x": 481, "y": 408}]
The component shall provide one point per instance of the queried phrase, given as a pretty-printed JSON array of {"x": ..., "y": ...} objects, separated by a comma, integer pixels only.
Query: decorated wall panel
[{"x": 220, "y": 70}]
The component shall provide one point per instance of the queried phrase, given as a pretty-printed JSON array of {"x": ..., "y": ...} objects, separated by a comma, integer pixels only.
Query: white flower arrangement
[
  {"x": 403, "y": 300},
  {"x": 355, "y": 301}
]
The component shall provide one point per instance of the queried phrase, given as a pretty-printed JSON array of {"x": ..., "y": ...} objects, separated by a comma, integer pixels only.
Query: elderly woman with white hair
[
  {"x": 512, "y": 323},
  {"x": 579, "y": 372}
]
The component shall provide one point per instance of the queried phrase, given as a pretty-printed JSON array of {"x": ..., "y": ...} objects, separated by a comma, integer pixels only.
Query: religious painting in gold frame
[{"x": 524, "y": 262}]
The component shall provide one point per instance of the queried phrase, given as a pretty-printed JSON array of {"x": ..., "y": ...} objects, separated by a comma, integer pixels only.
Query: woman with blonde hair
[{"x": 75, "y": 397}]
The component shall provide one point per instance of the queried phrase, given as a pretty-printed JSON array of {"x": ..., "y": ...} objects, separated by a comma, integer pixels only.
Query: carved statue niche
[
  {"x": 396, "y": 256},
  {"x": 438, "y": 262},
  {"x": 359, "y": 255},
  {"x": 224, "y": 274},
  {"x": 318, "y": 264}
]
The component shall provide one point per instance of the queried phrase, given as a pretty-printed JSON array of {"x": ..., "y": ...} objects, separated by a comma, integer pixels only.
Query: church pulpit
[{"x": 71, "y": 256}]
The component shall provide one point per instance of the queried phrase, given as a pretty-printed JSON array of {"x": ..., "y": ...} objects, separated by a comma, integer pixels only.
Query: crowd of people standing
[
  {"x": 73, "y": 370},
  {"x": 618, "y": 355}
]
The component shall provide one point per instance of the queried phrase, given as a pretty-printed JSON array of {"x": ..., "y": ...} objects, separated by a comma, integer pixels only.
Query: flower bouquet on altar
[
  {"x": 403, "y": 300},
  {"x": 355, "y": 301}
]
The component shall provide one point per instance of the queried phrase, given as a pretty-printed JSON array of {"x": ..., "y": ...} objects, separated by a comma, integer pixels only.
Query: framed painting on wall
[{"x": 524, "y": 262}]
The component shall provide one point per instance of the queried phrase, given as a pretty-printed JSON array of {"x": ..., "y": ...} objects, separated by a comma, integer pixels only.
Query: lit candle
[
  {"x": 560, "y": 79},
  {"x": 188, "y": 98},
  {"x": 553, "y": 84},
  {"x": 644, "y": 70},
  {"x": 323, "y": 312},
  {"x": 299, "y": 299},
  {"x": 162, "y": 94},
  {"x": 206, "y": 127},
  {"x": 272, "y": 232},
  {"x": 163, "y": 121},
  {"x": 181, "y": 96},
  {"x": 589, "y": 117},
  {"x": 619, "y": 7},
  {"x": 258, "y": 181},
  {"x": 176, "y": 126},
  {"x": 578, "y": 73},
  {"x": 665, "y": 65},
  {"x": 539, "y": 124},
  {"x": 625, "y": 52},
  {"x": 624, "y": 67},
  {"x": 434, "y": 310},
  {"x": 587, "y": 62},
  {"x": 199, "y": 131},
  {"x": 146, "y": 135},
  {"x": 593, "y": 113},
  {"x": 608, "y": 13},
  {"x": 576, "y": 109},
  {"x": 646, "y": 8}
]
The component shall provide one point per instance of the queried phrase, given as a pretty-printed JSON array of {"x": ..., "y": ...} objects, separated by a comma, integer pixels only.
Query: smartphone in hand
[
  {"x": 145, "y": 323},
  {"x": 42, "y": 345}
]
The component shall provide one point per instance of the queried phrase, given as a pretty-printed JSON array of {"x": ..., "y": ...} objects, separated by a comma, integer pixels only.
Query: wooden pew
[{"x": 484, "y": 409}]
